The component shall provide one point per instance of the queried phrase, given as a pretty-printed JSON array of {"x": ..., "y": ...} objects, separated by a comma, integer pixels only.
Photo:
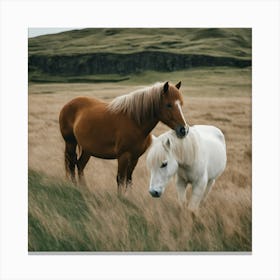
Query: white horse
[{"x": 198, "y": 159}]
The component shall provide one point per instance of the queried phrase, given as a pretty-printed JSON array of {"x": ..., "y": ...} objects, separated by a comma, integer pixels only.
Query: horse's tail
[
  {"x": 70, "y": 155},
  {"x": 79, "y": 151},
  {"x": 70, "y": 159}
]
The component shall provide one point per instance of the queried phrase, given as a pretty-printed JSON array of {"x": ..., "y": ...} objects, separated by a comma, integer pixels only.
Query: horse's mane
[
  {"x": 177, "y": 147},
  {"x": 141, "y": 105}
]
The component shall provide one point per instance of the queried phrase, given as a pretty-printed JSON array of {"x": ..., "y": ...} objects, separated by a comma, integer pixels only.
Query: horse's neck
[{"x": 148, "y": 126}]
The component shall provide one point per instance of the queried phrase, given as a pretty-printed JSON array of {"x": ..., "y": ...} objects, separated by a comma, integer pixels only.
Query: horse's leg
[
  {"x": 122, "y": 172},
  {"x": 130, "y": 168},
  {"x": 181, "y": 186},
  {"x": 198, "y": 189},
  {"x": 70, "y": 157},
  {"x": 209, "y": 186},
  {"x": 81, "y": 163}
]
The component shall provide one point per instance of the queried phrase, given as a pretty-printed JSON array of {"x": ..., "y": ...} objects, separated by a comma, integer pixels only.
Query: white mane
[{"x": 170, "y": 143}]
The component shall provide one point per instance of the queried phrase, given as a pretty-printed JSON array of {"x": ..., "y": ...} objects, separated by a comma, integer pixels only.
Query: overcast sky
[{"x": 33, "y": 32}]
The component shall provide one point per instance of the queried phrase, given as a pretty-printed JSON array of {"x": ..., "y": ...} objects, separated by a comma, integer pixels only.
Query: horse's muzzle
[
  {"x": 180, "y": 131},
  {"x": 155, "y": 193}
]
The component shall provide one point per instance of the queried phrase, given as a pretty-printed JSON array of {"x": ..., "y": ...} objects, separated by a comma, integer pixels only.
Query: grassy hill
[
  {"x": 99, "y": 51},
  {"x": 223, "y": 42}
]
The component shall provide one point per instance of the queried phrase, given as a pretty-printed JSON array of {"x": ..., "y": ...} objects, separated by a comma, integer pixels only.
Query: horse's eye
[
  {"x": 169, "y": 105},
  {"x": 164, "y": 164}
]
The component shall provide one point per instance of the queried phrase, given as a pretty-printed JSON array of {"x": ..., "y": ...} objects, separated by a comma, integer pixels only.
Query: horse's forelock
[
  {"x": 177, "y": 149},
  {"x": 156, "y": 155},
  {"x": 158, "y": 152}
]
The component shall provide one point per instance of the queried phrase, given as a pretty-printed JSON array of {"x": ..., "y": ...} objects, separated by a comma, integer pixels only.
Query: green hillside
[
  {"x": 229, "y": 42},
  {"x": 96, "y": 51}
]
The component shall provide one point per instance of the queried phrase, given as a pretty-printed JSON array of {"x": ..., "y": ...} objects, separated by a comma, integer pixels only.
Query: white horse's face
[{"x": 161, "y": 175}]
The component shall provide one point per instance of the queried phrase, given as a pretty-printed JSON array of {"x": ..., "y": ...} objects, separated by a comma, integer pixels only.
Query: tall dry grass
[{"x": 63, "y": 217}]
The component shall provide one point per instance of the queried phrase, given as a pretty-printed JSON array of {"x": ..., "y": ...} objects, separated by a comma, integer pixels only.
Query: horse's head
[
  {"x": 171, "y": 112},
  {"x": 162, "y": 165}
]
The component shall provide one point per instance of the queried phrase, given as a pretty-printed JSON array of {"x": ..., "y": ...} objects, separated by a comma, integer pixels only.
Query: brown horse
[{"x": 118, "y": 130}]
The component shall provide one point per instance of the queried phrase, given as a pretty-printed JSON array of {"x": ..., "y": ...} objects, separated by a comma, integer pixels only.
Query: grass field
[{"x": 63, "y": 217}]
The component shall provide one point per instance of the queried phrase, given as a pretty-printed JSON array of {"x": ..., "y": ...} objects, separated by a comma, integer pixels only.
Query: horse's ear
[
  {"x": 166, "y": 144},
  {"x": 178, "y": 85},
  {"x": 165, "y": 87}
]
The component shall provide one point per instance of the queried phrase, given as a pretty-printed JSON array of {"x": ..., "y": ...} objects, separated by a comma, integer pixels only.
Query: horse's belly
[
  {"x": 100, "y": 149},
  {"x": 212, "y": 150},
  {"x": 104, "y": 156},
  {"x": 216, "y": 161},
  {"x": 216, "y": 167}
]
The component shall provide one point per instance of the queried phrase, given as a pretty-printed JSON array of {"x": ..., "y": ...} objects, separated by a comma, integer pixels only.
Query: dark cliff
[{"x": 126, "y": 51}]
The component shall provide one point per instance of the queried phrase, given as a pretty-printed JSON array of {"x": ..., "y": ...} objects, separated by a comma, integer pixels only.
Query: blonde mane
[{"x": 141, "y": 105}]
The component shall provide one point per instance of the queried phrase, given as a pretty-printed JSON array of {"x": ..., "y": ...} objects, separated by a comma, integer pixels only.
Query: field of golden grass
[{"x": 137, "y": 222}]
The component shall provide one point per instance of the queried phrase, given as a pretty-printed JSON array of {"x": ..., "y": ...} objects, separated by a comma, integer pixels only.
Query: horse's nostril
[
  {"x": 155, "y": 193},
  {"x": 180, "y": 131},
  {"x": 183, "y": 130}
]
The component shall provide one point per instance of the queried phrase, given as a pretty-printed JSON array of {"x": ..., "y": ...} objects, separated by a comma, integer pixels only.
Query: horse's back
[{"x": 210, "y": 132}]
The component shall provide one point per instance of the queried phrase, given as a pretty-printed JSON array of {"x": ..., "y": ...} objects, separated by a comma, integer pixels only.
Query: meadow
[{"x": 65, "y": 217}]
